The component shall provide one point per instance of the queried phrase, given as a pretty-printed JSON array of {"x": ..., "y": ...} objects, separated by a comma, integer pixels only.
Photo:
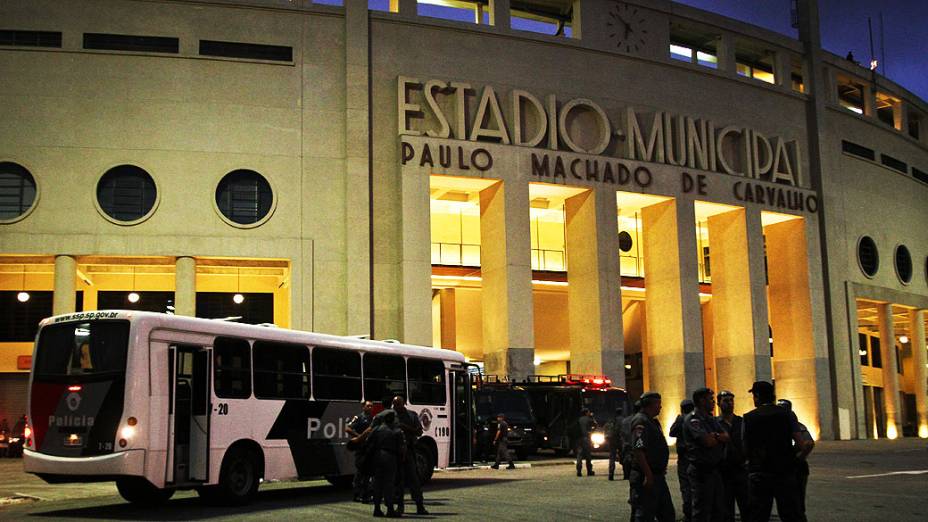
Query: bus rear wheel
[
  {"x": 238, "y": 479},
  {"x": 139, "y": 491}
]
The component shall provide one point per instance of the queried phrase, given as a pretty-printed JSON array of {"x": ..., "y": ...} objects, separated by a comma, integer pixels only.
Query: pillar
[
  {"x": 739, "y": 302},
  {"x": 919, "y": 359},
  {"x": 506, "y": 269},
  {"x": 790, "y": 304},
  {"x": 726, "y": 54},
  {"x": 416, "y": 263},
  {"x": 594, "y": 295},
  {"x": 869, "y": 95},
  {"x": 890, "y": 371},
  {"x": 576, "y": 22},
  {"x": 185, "y": 286},
  {"x": 900, "y": 117},
  {"x": 674, "y": 324},
  {"x": 448, "y": 321},
  {"x": 357, "y": 165},
  {"x": 64, "y": 297},
  {"x": 783, "y": 70},
  {"x": 499, "y": 14}
]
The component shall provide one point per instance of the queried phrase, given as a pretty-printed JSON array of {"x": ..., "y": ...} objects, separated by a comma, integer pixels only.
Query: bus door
[
  {"x": 462, "y": 417},
  {"x": 189, "y": 410}
]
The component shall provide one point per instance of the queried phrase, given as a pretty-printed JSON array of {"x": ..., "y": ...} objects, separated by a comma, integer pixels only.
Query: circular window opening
[
  {"x": 868, "y": 256},
  {"x": 244, "y": 197},
  {"x": 126, "y": 193},
  {"x": 903, "y": 264},
  {"x": 625, "y": 241},
  {"x": 17, "y": 191}
]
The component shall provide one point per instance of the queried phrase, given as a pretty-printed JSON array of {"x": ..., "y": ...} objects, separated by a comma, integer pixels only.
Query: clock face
[{"x": 627, "y": 27}]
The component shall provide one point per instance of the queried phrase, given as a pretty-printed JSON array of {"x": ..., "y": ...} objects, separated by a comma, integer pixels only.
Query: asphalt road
[{"x": 858, "y": 480}]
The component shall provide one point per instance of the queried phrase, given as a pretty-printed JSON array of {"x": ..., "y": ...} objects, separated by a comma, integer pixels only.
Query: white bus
[{"x": 160, "y": 402}]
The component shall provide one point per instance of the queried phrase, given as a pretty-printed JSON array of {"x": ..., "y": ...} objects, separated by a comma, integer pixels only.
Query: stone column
[
  {"x": 890, "y": 372},
  {"x": 783, "y": 70},
  {"x": 869, "y": 95},
  {"x": 357, "y": 166},
  {"x": 416, "y": 264},
  {"x": 449, "y": 326},
  {"x": 506, "y": 269},
  {"x": 726, "y": 54},
  {"x": 790, "y": 303},
  {"x": 919, "y": 359},
  {"x": 64, "y": 297},
  {"x": 594, "y": 292},
  {"x": 499, "y": 14},
  {"x": 739, "y": 302},
  {"x": 674, "y": 318},
  {"x": 900, "y": 117},
  {"x": 185, "y": 286}
]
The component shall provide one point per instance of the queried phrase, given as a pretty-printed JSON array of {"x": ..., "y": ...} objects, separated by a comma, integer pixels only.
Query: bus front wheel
[
  {"x": 137, "y": 490},
  {"x": 238, "y": 479}
]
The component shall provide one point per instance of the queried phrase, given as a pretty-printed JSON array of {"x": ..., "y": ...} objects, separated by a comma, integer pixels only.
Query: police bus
[{"x": 160, "y": 402}]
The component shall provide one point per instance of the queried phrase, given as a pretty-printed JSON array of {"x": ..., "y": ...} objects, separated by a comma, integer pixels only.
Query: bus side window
[
  {"x": 336, "y": 374},
  {"x": 426, "y": 381},
  {"x": 232, "y": 368},
  {"x": 281, "y": 370},
  {"x": 384, "y": 377}
]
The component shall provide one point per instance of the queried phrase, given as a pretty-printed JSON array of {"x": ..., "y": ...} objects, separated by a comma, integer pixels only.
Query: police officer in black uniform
[
  {"x": 705, "y": 448},
  {"x": 355, "y": 428},
  {"x": 734, "y": 471},
  {"x": 625, "y": 435},
  {"x": 676, "y": 430},
  {"x": 649, "y": 495},
  {"x": 586, "y": 424},
  {"x": 802, "y": 453},
  {"x": 769, "y": 434},
  {"x": 386, "y": 447},
  {"x": 409, "y": 477},
  {"x": 614, "y": 439}
]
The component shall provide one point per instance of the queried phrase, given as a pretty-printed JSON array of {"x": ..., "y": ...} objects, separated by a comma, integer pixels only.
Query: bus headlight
[
  {"x": 598, "y": 439},
  {"x": 128, "y": 432}
]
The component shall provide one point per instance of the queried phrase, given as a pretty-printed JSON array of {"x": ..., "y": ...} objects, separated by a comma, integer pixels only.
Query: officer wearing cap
[
  {"x": 585, "y": 424},
  {"x": 649, "y": 495},
  {"x": 705, "y": 448},
  {"x": 676, "y": 430},
  {"x": 733, "y": 469},
  {"x": 802, "y": 453},
  {"x": 768, "y": 445}
]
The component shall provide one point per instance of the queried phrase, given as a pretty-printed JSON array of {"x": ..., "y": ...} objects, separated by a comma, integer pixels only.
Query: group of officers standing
[
  {"x": 722, "y": 462},
  {"x": 385, "y": 457}
]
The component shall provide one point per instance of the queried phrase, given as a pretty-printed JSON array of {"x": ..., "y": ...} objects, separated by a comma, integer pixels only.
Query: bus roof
[{"x": 156, "y": 320}]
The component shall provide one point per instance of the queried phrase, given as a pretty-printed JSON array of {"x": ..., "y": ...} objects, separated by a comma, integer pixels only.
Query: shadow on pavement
[{"x": 266, "y": 501}]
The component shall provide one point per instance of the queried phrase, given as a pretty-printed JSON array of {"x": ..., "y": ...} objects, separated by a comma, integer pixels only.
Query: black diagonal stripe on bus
[{"x": 311, "y": 457}]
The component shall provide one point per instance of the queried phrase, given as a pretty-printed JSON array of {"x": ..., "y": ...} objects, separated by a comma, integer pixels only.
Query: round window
[
  {"x": 625, "y": 241},
  {"x": 126, "y": 193},
  {"x": 244, "y": 197},
  {"x": 17, "y": 191},
  {"x": 868, "y": 256},
  {"x": 903, "y": 264}
]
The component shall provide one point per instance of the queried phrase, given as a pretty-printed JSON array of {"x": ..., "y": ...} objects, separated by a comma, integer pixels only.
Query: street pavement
[{"x": 851, "y": 481}]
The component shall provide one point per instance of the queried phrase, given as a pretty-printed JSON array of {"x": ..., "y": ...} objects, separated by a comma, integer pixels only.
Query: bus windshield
[
  {"x": 513, "y": 404},
  {"x": 82, "y": 349},
  {"x": 603, "y": 404}
]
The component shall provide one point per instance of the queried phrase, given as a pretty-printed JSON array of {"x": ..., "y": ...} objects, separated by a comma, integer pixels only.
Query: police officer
[
  {"x": 586, "y": 424},
  {"x": 768, "y": 445},
  {"x": 705, "y": 448},
  {"x": 734, "y": 471},
  {"x": 502, "y": 442},
  {"x": 614, "y": 440},
  {"x": 355, "y": 428},
  {"x": 676, "y": 430},
  {"x": 625, "y": 434},
  {"x": 387, "y": 447},
  {"x": 649, "y": 494},
  {"x": 802, "y": 453},
  {"x": 411, "y": 427}
]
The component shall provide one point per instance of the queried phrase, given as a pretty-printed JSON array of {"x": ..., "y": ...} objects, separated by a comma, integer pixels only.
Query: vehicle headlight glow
[
  {"x": 598, "y": 439},
  {"x": 128, "y": 432}
]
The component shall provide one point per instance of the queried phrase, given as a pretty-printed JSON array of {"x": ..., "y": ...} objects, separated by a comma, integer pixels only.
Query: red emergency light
[
  {"x": 75, "y": 388},
  {"x": 594, "y": 381}
]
